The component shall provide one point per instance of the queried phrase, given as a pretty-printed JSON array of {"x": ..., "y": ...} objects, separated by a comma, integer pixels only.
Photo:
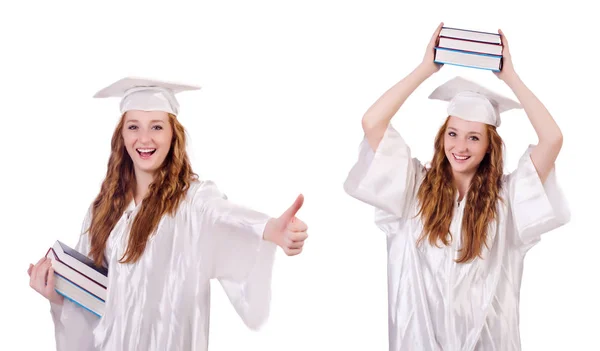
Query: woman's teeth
[
  {"x": 145, "y": 152},
  {"x": 461, "y": 158}
]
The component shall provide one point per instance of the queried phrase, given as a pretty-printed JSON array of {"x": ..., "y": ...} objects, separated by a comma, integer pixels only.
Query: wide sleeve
[
  {"x": 241, "y": 259},
  {"x": 536, "y": 207},
  {"x": 73, "y": 325},
  {"x": 387, "y": 178}
]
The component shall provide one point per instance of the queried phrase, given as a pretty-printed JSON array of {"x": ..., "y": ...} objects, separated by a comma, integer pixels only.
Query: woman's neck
[
  {"x": 462, "y": 181},
  {"x": 143, "y": 181}
]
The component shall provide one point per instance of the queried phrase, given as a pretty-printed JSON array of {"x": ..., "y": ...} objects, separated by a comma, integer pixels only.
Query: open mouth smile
[
  {"x": 145, "y": 153},
  {"x": 460, "y": 158}
]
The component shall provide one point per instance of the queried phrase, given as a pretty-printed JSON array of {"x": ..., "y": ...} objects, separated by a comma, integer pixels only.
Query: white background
[{"x": 285, "y": 85}]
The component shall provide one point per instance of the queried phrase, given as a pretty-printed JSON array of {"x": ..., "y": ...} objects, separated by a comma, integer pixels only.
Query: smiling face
[
  {"x": 147, "y": 136},
  {"x": 465, "y": 144}
]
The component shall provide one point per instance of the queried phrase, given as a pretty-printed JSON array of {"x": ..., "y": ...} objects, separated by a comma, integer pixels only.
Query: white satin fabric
[
  {"x": 434, "y": 302},
  {"x": 162, "y": 301}
]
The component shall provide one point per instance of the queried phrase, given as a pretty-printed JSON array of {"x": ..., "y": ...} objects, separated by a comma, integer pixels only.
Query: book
[
  {"x": 468, "y": 59},
  {"x": 80, "y": 263},
  {"x": 469, "y": 45},
  {"x": 79, "y": 296},
  {"x": 473, "y": 35},
  {"x": 76, "y": 278}
]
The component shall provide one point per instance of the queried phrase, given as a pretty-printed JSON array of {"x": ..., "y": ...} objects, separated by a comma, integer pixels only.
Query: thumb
[
  {"x": 30, "y": 268},
  {"x": 291, "y": 212}
]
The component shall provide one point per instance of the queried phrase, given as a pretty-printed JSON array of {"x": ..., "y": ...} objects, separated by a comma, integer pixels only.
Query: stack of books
[
  {"x": 78, "y": 279},
  {"x": 468, "y": 48}
]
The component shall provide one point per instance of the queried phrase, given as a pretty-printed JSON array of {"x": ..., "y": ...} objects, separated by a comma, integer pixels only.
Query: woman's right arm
[
  {"x": 378, "y": 116},
  {"x": 73, "y": 325},
  {"x": 385, "y": 174}
]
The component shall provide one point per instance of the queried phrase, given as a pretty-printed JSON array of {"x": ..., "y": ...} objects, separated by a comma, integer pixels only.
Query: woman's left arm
[
  {"x": 544, "y": 154},
  {"x": 241, "y": 245}
]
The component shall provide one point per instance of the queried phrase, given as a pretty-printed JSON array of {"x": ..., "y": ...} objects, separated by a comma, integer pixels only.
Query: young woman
[
  {"x": 458, "y": 231},
  {"x": 163, "y": 235}
]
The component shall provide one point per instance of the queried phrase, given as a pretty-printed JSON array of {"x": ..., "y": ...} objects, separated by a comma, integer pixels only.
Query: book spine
[
  {"x": 467, "y": 66},
  {"x": 468, "y": 52},
  {"x": 74, "y": 276},
  {"x": 470, "y": 40},
  {"x": 79, "y": 286},
  {"x": 77, "y": 303},
  {"x": 483, "y": 37},
  {"x": 76, "y": 270},
  {"x": 472, "y": 31},
  {"x": 454, "y": 63}
]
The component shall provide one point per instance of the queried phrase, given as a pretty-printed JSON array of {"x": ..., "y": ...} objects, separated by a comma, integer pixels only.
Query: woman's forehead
[
  {"x": 465, "y": 126},
  {"x": 146, "y": 115}
]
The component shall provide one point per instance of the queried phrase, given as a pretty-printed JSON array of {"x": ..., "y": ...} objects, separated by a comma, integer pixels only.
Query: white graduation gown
[
  {"x": 434, "y": 302},
  {"x": 162, "y": 301}
]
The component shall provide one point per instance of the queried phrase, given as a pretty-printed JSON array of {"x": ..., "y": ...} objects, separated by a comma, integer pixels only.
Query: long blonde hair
[{"x": 437, "y": 193}]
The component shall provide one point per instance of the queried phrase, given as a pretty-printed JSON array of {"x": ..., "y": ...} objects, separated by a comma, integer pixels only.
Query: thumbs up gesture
[{"x": 287, "y": 231}]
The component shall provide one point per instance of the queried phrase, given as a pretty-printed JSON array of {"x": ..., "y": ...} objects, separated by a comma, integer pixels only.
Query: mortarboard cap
[
  {"x": 473, "y": 102},
  {"x": 145, "y": 94}
]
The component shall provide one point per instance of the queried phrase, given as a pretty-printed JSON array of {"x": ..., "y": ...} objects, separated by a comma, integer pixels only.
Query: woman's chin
[{"x": 463, "y": 168}]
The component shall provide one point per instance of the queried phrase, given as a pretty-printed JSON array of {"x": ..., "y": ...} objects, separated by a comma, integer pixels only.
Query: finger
[
  {"x": 36, "y": 269},
  {"x": 297, "y": 225},
  {"x": 298, "y": 236},
  {"x": 30, "y": 269},
  {"x": 291, "y": 212},
  {"x": 296, "y": 245},
  {"x": 42, "y": 275},
  {"x": 31, "y": 275},
  {"x": 503, "y": 38},
  {"x": 292, "y": 252},
  {"x": 51, "y": 281},
  {"x": 437, "y": 31},
  {"x": 436, "y": 34}
]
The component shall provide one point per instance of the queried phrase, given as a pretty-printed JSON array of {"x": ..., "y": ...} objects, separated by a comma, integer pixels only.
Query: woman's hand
[
  {"x": 42, "y": 280},
  {"x": 287, "y": 231},
  {"x": 508, "y": 70},
  {"x": 428, "y": 65}
]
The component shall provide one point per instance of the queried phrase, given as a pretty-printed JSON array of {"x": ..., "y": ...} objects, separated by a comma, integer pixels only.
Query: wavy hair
[
  {"x": 437, "y": 193},
  {"x": 171, "y": 182}
]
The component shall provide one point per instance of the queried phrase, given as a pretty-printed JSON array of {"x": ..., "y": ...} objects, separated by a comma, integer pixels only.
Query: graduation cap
[
  {"x": 145, "y": 94},
  {"x": 473, "y": 102}
]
